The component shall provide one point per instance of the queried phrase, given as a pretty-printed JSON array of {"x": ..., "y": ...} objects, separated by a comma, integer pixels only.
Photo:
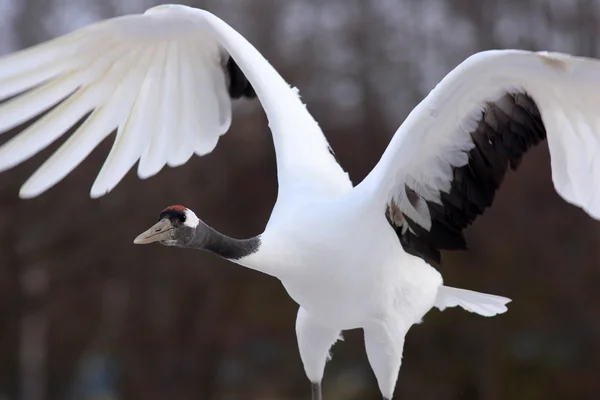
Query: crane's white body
[
  {"x": 157, "y": 78},
  {"x": 308, "y": 252},
  {"x": 376, "y": 286}
]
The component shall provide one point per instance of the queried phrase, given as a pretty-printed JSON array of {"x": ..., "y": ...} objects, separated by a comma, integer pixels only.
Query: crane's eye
[{"x": 182, "y": 218}]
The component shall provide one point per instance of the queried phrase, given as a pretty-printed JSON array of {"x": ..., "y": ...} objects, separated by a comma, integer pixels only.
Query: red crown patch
[{"x": 175, "y": 208}]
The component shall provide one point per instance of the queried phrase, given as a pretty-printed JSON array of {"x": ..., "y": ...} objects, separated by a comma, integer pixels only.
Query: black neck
[{"x": 210, "y": 239}]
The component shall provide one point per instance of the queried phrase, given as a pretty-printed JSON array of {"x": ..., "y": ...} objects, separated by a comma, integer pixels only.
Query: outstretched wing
[
  {"x": 164, "y": 80},
  {"x": 445, "y": 163}
]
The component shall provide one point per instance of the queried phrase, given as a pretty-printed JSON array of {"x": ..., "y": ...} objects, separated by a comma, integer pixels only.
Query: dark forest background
[{"x": 85, "y": 314}]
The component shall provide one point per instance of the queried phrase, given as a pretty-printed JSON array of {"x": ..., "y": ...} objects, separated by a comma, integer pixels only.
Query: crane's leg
[
  {"x": 384, "y": 342},
  {"x": 314, "y": 341},
  {"x": 316, "y": 391}
]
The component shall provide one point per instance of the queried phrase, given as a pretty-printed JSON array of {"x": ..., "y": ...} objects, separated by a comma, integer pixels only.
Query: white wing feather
[
  {"x": 484, "y": 304},
  {"x": 434, "y": 138},
  {"x": 159, "y": 80}
]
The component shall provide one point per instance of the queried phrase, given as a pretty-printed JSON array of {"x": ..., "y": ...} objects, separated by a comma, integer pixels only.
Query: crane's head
[{"x": 176, "y": 226}]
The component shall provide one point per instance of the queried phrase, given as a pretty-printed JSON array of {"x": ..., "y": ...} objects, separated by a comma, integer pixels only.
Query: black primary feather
[
  {"x": 508, "y": 128},
  {"x": 239, "y": 86}
]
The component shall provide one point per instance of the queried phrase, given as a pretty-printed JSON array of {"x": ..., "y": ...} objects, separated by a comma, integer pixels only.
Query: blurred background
[{"x": 85, "y": 314}]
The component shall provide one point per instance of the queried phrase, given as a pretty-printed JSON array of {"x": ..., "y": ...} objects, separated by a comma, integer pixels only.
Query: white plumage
[
  {"x": 161, "y": 79},
  {"x": 487, "y": 305},
  {"x": 434, "y": 137}
]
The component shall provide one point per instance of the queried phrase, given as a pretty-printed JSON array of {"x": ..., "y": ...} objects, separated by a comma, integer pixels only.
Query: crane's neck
[
  {"x": 228, "y": 247},
  {"x": 240, "y": 251}
]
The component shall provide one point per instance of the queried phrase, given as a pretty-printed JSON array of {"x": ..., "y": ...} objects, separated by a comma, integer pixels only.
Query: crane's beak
[{"x": 161, "y": 231}]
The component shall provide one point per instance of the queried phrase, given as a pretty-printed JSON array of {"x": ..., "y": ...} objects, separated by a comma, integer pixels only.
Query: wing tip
[
  {"x": 99, "y": 188},
  {"x": 147, "y": 172},
  {"x": 96, "y": 193},
  {"x": 27, "y": 192}
]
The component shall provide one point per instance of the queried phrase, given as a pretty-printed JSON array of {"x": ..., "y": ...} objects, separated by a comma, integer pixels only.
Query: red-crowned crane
[{"x": 351, "y": 257}]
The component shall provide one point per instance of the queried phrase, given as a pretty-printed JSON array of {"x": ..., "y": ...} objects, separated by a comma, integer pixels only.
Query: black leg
[{"x": 316, "y": 391}]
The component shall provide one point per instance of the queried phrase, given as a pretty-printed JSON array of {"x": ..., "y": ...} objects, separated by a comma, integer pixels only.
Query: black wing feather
[{"x": 508, "y": 128}]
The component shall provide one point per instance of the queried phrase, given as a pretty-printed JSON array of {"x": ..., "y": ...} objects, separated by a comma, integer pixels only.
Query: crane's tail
[{"x": 484, "y": 304}]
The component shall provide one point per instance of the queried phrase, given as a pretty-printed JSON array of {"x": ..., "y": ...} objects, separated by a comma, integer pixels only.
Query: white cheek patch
[{"x": 191, "y": 219}]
